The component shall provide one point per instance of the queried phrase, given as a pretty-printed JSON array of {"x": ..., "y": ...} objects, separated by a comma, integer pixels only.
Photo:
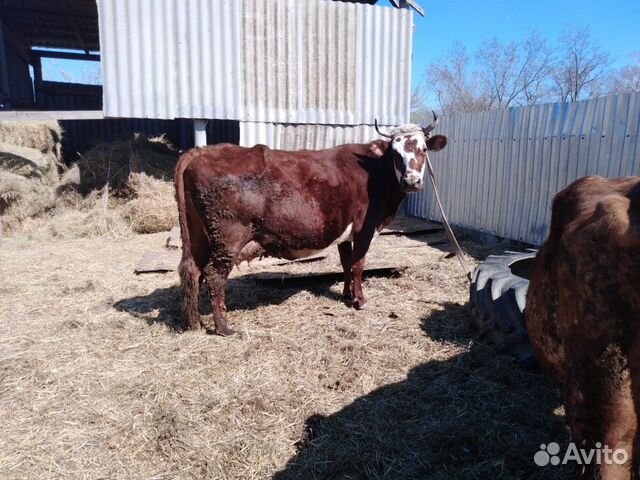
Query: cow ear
[
  {"x": 377, "y": 148},
  {"x": 437, "y": 142}
]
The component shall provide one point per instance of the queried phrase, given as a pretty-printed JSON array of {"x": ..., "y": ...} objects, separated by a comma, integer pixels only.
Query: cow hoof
[
  {"x": 224, "y": 331},
  {"x": 192, "y": 326},
  {"x": 359, "y": 303}
]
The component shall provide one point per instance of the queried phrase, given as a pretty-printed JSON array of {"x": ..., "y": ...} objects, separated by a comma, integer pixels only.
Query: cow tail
[{"x": 188, "y": 270}]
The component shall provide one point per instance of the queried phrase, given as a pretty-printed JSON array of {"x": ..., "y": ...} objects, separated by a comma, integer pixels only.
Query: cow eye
[{"x": 397, "y": 139}]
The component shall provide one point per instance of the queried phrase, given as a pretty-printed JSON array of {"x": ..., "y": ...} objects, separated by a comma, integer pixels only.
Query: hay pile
[
  {"x": 30, "y": 163},
  {"x": 42, "y": 136},
  {"x": 153, "y": 207},
  {"x": 113, "y": 163},
  {"x": 116, "y": 189}
]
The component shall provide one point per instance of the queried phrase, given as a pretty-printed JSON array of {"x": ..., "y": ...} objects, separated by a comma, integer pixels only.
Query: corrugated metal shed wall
[
  {"x": 303, "y": 136},
  {"x": 284, "y": 61},
  {"x": 501, "y": 169}
]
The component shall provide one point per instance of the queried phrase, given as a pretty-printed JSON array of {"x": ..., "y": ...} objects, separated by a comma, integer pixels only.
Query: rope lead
[{"x": 447, "y": 227}]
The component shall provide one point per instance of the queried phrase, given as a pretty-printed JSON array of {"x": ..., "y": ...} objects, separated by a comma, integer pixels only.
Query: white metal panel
[
  {"x": 283, "y": 61},
  {"x": 137, "y": 54},
  {"x": 501, "y": 169},
  {"x": 303, "y": 136},
  {"x": 207, "y": 58}
]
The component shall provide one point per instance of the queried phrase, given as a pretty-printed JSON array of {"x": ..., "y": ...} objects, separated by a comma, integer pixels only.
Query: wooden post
[
  {"x": 5, "y": 93},
  {"x": 38, "y": 83},
  {"x": 200, "y": 132}
]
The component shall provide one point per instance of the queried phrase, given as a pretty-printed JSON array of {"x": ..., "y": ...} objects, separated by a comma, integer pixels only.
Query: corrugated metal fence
[{"x": 501, "y": 169}]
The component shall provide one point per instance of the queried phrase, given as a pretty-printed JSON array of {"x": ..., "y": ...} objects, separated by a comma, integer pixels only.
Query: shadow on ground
[
  {"x": 477, "y": 415},
  {"x": 475, "y": 244},
  {"x": 163, "y": 304}
]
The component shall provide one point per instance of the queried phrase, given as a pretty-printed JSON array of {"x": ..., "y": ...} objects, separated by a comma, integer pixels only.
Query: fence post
[{"x": 200, "y": 132}]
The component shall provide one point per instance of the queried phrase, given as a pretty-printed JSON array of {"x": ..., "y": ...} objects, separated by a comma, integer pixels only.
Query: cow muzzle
[{"x": 412, "y": 182}]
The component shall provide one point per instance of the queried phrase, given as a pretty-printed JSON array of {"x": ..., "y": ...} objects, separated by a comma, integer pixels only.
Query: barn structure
[{"x": 287, "y": 73}]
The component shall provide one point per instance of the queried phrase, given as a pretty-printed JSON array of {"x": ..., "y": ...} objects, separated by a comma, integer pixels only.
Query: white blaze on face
[{"x": 410, "y": 146}]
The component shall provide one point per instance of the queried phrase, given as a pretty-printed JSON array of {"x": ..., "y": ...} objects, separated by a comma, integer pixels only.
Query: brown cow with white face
[{"x": 239, "y": 203}]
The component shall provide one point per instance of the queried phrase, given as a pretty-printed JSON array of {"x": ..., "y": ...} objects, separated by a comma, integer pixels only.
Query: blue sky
[{"x": 614, "y": 25}]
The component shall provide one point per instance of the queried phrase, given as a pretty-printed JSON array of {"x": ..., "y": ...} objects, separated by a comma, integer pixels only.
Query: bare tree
[
  {"x": 580, "y": 66},
  {"x": 505, "y": 74},
  {"x": 525, "y": 73},
  {"x": 536, "y": 69},
  {"x": 455, "y": 86},
  {"x": 627, "y": 79},
  {"x": 420, "y": 114},
  {"x": 513, "y": 73}
]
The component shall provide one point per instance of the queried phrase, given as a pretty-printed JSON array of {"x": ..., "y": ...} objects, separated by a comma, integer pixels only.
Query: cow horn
[
  {"x": 428, "y": 128},
  {"x": 379, "y": 132}
]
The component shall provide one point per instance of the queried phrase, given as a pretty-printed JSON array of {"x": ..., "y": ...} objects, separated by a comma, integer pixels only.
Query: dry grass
[
  {"x": 30, "y": 162},
  {"x": 150, "y": 209},
  {"x": 22, "y": 198},
  {"x": 98, "y": 381},
  {"x": 153, "y": 208},
  {"x": 125, "y": 187},
  {"x": 37, "y": 135},
  {"x": 98, "y": 215},
  {"x": 112, "y": 163}
]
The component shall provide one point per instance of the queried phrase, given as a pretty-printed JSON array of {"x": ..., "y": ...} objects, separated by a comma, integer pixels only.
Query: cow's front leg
[
  {"x": 346, "y": 259},
  {"x": 216, "y": 275},
  {"x": 358, "y": 295},
  {"x": 360, "y": 247}
]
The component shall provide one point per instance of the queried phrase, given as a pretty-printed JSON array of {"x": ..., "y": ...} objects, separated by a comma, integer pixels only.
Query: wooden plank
[
  {"x": 283, "y": 278},
  {"x": 21, "y": 115},
  {"x": 426, "y": 246},
  {"x": 410, "y": 225},
  {"x": 174, "y": 239},
  {"x": 310, "y": 259},
  {"x": 158, "y": 261}
]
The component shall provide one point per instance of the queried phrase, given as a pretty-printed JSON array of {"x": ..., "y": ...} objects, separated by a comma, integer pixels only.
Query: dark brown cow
[
  {"x": 583, "y": 313},
  {"x": 238, "y": 203}
]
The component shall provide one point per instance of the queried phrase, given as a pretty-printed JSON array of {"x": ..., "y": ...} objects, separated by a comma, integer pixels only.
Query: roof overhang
[{"x": 62, "y": 24}]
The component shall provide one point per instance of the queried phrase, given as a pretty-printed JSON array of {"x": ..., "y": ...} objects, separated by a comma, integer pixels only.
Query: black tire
[{"x": 498, "y": 298}]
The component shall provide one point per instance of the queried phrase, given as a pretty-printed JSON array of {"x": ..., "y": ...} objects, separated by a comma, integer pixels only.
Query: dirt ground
[{"x": 97, "y": 380}]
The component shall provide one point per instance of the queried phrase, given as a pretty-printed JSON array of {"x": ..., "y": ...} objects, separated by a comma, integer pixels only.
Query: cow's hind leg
[
  {"x": 226, "y": 247},
  {"x": 634, "y": 362},
  {"x": 346, "y": 260},
  {"x": 600, "y": 411},
  {"x": 190, "y": 275},
  {"x": 216, "y": 275}
]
